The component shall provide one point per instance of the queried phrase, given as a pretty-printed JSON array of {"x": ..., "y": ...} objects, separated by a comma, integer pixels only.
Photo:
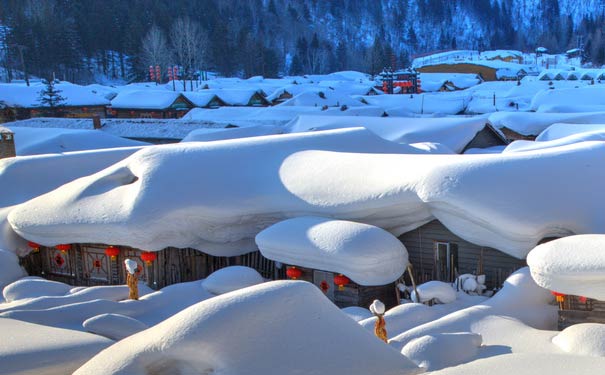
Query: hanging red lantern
[
  {"x": 341, "y": 280},
  {"x": 582, "y": 299},
  {"x": 34, "y": 246},
  {"x": 112, "y": 252},
  {"x": 560, "y": 297},
  {"x": 148, "y": 257},
  {"x": 63, "y": 248},
  {"x": 293, "y": 273}
]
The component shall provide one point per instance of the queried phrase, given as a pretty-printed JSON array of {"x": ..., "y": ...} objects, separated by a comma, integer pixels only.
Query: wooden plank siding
[
  {"x": 420, "y": 244},
  {"x": 575, "y": 311}
]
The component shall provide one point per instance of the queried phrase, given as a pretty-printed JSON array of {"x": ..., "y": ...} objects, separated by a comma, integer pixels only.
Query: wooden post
[
  {"x": 96, "y": 122},
  {"x": 411, "y": 272}
]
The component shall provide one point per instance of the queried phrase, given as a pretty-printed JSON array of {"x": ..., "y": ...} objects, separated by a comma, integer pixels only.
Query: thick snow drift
[
  {"x": 231, "y": 278},
  {"x": 27, "y": 348},
  {"x": 33, "y": 287},
  {"x": 217, "y": 196},
  {"x": 582, "y": 339},
  {"x": 367, "y": 254},
  {"x": 10, "y": 270},
  {"x": 531, "y": 123},
  {"x": 285, "y": 325},
  {"x": 114, "y": 326},
  {"x": 572, "y": 265},
  {"x": 440, "y": 350}
]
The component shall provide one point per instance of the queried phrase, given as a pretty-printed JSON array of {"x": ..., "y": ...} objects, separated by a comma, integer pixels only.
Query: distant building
[{"x": 7, "y": 143}]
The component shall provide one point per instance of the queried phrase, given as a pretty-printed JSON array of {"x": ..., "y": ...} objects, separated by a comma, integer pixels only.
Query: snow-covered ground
[{"x": 322, "y": 181}]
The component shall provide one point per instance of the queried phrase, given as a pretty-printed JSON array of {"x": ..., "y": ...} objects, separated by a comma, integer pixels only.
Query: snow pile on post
[
  {"x": 434, "y": 290},
  {"x": 269, "y": 316},
  {"x": 573, "y": 265},
  {"x": 368, "y": 255}
]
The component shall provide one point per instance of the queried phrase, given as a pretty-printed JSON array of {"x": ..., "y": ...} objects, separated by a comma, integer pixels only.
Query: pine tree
[{"x": 51, "y": 97}]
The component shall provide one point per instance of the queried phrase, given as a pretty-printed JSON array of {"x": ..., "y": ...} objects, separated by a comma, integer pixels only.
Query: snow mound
[
  {"x": 437, "y": 351},
  {"x": 367, "y": 254},
  {"x": 27, "y": 348},
  {"x": 357, "y": 313},
  {"x": 114, "y": 326},
  {"x": 231, "y": 278},
  {"x": 32, "y": 287},
  {"x": 438, "y": 290},
  {"x": 562, "y": 130},
  {"x": 200, "y": 339},
  {"x": 533, "y": 123},
  {"x": 572, "y": 265},
  {"x": 208, "y": 135},
  {"x": 10, "y": 270},
  {"x": 582, "y": 339}
]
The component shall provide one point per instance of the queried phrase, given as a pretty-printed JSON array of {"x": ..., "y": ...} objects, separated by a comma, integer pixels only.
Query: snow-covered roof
[
  {"x": 228, "y": 196},
  {"x": 236, "y": 97},
  {"x": 20, "y": 95},
  {"x": 327, "y": 97},
  {"x": 200, "y": 98},
  {"x": 366, "y": 254},
  {"x": 586, "y": 95},
  {"x": 145, "y": 99},
  {"x": 533, "y": 123},
  {"x": 572, "y": 265},
  {"x": 452, "y": 132},
  {"x": 435, "y": 81}
]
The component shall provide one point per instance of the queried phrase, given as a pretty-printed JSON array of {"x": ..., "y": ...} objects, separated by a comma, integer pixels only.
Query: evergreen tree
[{"x": 51, "y": 97}]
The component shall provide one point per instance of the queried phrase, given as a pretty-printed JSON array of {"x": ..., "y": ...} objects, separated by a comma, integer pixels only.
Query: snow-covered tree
[{"x": 51, "y": 97}]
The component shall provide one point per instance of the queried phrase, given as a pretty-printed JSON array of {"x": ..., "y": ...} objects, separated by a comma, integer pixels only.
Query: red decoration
[
  {"x": 148, "y": 257},
  {"x": 341, "y": 280},
  {"x": 96, "y": 263},
  {"x": 293, "y": 273},
  {"x": 560, "y": 297},
  {"x": 175, "y": 72},
  {"x": 112, "y": 252},
  {"x": 324, "y": 286},
  {"x": 59, "y": 261},
  {"x": 34, "y": 246},
  {"x": 63, "y": 247},
  {"x": 151, "y": 73},
  {"x": 582, "y": 299}
]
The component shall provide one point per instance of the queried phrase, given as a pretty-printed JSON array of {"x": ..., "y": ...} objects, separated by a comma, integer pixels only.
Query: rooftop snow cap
[{"x": 367, "y": 254}]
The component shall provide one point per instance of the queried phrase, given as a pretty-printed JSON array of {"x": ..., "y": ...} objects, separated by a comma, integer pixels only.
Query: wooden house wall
[
  {"x": 575, "y": 311},
  {"x": 420, "y": 244},
  {"x": 486, "y": 73},
  {"x": 7, "y": 145}
]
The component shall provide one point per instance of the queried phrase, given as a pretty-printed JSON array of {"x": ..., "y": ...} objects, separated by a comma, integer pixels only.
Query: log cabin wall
[
  {"x": 422, "y": 244},
  {"x": 577, "y": 310}
]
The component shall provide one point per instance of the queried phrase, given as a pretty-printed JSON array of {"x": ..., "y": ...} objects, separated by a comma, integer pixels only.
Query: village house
[{"x": 158, "y": 104}]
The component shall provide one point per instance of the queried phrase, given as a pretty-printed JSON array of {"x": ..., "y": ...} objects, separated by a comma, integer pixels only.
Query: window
[{"x": 446, "y": 261}]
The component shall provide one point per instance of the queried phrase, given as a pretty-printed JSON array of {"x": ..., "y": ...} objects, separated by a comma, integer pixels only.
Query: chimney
[
  {"x": 7, "y": 143},
  {"x": 96, "y": 122}
]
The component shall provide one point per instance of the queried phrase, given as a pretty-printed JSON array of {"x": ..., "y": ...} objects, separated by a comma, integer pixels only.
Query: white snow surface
[
  {"x": 582, "y": 339},
  {"x": 131, "y": 266},
  {"x": 572, "y": 265},
  {"x": 523, "y": 146},
  {"x": 114, "y": 326},
  {"x": 231, "y": 278},
  {"x": 440, "y": 291},
  {"x": 208, "y": 135},
  {"x": 10, "y": 270},
  {"x": 33, "y": 287},
  {"x": 21, "y": 95},
  {"x": 145, "y": 99},
  {"x": 228, "y": 197},
  {"x": 268, "y": 315},
  {"x": 453, "y": 132},
  {"x": 34, "y": 141},
  {"x": 441, "y": 350},
  {"x": 562, "y": 130},
  {"x": 587, "y": 95},
  {"x": 368, "y": 255},
  {"x": 533, "y": 123},
  {"x": 30, "y": 349}
]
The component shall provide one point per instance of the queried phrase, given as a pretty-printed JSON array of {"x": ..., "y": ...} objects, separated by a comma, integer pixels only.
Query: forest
[{"x": 84, "y": 40}]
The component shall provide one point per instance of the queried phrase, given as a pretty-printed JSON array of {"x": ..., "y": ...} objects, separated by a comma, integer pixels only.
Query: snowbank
[
  {"x": 582, "y": 339},
  {"x": 33, "y": 287},
  {"x": 571, "y": 265},
  {"x": 441, "y": 350},
  {"x": 268, "y": 315},
  {"x": 35, "y": 141},
  {"x": 28, "y": 348},
  {"x": 523, "y": 146},
  {"x": 520, "y": 299},
  {"x": 357, "y": 313},
  {"x": 231, "y": 278},
  {"x": 533, "y": 123},
  {"x": 10, "y": 270},
  {"x": 368, "y": 255},
  {"x": 207, "y": 135},
  {"x": 588, "y": 95},
  {"x": 114, "y": 326},
  {"x": 561, "y": 130}
]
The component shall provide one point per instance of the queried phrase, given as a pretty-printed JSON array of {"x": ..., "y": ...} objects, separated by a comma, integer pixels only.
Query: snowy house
[
  {"x": 241, "y": 97},
  {"x": 18, "y": 101},
  {"x": 201, "y": 99},
  {"x": 149, "y": 104},
  {"x": 487, "y": 70}
]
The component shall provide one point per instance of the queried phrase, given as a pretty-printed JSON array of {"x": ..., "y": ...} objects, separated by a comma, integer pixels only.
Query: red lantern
[
  {"x": 63, "y": 248},
  {"x": 112, "y": 252},
  {"x": 293, "y": 273},
  {"x": 582, "y": 299},
  {"x": 560, "y": 297},
  {"x": 175, "y": 72},
  {"x": 148, "y": 257},
  {"x": 34, "y": 246},
  {"x": 341, "y": 280},
  {"x": 324, "y": 286},
  {"x": 151, "y": 73}
]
